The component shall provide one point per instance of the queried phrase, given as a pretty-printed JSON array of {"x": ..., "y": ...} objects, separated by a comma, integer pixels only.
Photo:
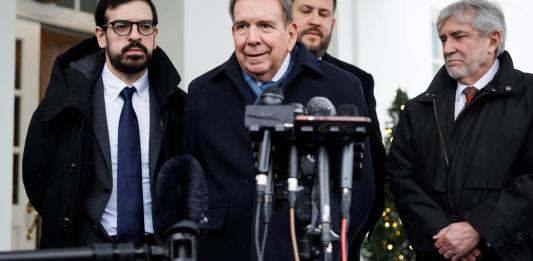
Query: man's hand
[
  {"x": 471, "y": 256},
  {"x": 457, "y": 240}
]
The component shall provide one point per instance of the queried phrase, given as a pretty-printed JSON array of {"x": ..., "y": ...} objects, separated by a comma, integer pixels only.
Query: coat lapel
[
  {"x": 101, "y": 133},
  {"x": 155, "y": 133}
]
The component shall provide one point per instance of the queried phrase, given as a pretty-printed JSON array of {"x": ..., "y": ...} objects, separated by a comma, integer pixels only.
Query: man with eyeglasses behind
[{"x": 110, "y": 118}]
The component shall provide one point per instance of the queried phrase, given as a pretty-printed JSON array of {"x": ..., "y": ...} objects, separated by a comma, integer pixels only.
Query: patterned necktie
[
  {"x": 469, "y": 92},
  {"x": 130, "y": 214}
]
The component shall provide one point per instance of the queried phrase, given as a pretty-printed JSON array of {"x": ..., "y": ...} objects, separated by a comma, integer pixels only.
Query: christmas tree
[{"x": 389, "y": 241}]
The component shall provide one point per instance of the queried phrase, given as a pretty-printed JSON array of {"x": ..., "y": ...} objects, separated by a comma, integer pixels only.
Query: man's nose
[
  {"x": 254, "y": 36},
  {"x": 134, "y": 34},
  {"x": 314, "y": 19},
  {"x": 448, "y": 47}
]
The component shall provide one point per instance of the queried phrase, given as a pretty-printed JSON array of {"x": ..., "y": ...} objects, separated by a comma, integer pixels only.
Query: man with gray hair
[
  {"x": 461, "y": 164},
  {"x": 266, "y": 53}
]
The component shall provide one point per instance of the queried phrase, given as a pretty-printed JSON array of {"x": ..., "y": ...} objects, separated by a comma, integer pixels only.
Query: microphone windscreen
[
  {"x": 299, "y": 109},
  {"x": 272, "y": 95},
  {"x": 348, "y": 110},
  {"x": 180, "y": 193},
  {"x": 320, "y": 106}
]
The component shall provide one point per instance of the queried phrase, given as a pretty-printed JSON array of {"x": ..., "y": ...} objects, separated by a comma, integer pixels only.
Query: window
[
  {"x": 87, "y": 6},
  {"x": 436, "y": 56}
]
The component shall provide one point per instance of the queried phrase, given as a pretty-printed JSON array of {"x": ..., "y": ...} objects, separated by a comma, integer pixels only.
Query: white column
[
  {"x": 344, "y": 31},
  {"x": 171, "y": 27},
  {"x": 195, "y": 34},
  {"x": 207, "y": 36},
  {"x": 7, "y": 85}
]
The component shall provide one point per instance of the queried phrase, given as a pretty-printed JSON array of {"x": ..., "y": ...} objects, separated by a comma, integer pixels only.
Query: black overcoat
[
  {"x": 219, "y": 140},
  {"x": 480, "y": 171},
  {"x": 58, "y": 162}
]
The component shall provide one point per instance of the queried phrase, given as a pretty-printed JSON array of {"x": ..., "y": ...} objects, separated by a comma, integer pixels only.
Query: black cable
[{"x": 256, "y": 233}]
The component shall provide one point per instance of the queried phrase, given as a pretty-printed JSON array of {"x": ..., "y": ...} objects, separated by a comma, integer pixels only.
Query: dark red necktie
[{"x": 469, "y": 94}]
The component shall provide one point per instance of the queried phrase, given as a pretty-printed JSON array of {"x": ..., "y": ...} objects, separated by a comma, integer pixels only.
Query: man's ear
[
  {"x": 494, "y": 41},
  {"x": 100, "y": 36},
  {"x": 292, "y": 29},
  {"x": 156, "y": 32}
]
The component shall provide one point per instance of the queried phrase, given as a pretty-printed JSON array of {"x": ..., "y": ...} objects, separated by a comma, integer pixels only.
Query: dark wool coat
[{"x": 478, "y": 168}]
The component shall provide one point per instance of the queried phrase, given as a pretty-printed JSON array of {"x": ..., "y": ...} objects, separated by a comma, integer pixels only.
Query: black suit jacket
[
  {"x": 376, "y": 144},
  {"x": 218, "y": 138}
]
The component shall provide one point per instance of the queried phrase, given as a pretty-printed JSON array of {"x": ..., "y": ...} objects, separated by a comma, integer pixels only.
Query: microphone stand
[
  {"x": 325, "y": 210},
  {"x": 181, "y": 246}
]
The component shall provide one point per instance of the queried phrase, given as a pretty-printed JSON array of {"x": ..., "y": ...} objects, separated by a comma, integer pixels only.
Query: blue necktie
[{"x": 130, "y": 216}]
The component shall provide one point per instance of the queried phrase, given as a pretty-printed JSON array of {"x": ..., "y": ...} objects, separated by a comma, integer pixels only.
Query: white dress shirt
[
  {"x": 460, "y": 98},
  {"x": 113, "y": 107}
]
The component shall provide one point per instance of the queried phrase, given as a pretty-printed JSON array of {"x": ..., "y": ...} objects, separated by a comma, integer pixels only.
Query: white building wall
[
  {"x": 207, "y": 36},
  {"x": 7, "y": 86}
]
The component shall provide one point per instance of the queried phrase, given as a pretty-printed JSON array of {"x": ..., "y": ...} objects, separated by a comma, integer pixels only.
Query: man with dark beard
[
  {"x": 315, "y": 22},
  {"x": 110, "y": 117}
]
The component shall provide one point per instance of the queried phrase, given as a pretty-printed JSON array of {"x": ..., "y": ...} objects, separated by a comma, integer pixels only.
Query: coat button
[
  {"x": 507, "y": 88},
  {"x": 518, "y": 237},
  {"x": 65, "y": 222},
  {"x": 72, "y": 168}
]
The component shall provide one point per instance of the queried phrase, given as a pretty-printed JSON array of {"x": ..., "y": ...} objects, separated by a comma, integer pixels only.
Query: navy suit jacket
[{"x": 217, "y": 137}]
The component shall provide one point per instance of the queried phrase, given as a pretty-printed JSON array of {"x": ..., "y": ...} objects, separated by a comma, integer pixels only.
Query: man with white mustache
[{"x": 461, "y": 163}]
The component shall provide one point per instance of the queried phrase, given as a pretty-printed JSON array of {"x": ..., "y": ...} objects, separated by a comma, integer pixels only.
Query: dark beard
[
  {"x": 322, "y": 48},
  {"x": 133, "y": 63}
]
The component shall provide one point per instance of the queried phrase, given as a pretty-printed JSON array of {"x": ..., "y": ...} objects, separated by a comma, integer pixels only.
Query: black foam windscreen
[
  {"x": 272, "y": 95},
  {"x": 180, "y": 193},
  {"x": 348, "y": 110}
]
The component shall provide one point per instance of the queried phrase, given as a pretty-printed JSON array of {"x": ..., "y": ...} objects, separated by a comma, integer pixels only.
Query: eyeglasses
[{"x": 123, "y": 27}]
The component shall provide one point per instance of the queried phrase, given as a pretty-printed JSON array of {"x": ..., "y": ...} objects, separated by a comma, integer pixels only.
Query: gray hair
[
  {"x": 488, "y": 18},
  {"x": 286, "y": 8}
]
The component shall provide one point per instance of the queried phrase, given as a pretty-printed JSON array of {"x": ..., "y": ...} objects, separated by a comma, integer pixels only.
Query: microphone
[
  {"x": 180, "y": 205},
  {"x": 347, "y": 159},
  {"x": 321, "y": 106},
  {"x": 270, "y": 96},
  {"x": 292, "y": 181}
]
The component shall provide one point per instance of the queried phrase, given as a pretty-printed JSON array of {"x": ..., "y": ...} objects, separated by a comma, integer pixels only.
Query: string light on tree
[{"x": 389, "y": 241}]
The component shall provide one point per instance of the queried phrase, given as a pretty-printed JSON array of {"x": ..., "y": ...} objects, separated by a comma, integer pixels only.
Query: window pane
[
  {"x": 17, "y": 64},
  {"x": 15, "y": 178},
  {"x": 88, "y": 6},
  {"x": 66, "y": 3},
  {"x": 16, "y": 136},
  {"x": 437, "y": 53}
]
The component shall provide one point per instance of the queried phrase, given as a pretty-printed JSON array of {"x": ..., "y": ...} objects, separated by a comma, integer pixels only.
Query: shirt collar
[
  {"x": 482, "y": 82},
  {"x": 284, "y": 67},
  {"x": 113, "y": 85}
]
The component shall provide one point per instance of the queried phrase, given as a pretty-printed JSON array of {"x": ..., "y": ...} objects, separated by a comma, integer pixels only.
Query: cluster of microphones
[
  {"x": 284, "y": 136},
  {"x": 296, "y": 132}
]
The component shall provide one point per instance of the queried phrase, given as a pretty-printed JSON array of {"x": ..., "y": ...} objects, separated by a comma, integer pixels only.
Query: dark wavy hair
[{"x": 99, "y": 15}]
